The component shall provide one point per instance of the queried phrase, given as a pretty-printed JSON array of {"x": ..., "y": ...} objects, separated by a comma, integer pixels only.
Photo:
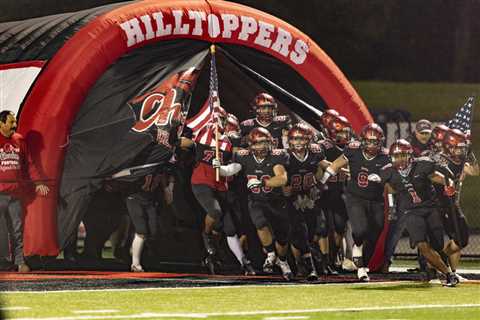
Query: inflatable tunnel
[{"x": 79, "y": 114}]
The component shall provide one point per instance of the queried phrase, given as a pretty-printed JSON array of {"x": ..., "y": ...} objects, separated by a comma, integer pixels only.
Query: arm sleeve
[{"x": 230, "y": 169}]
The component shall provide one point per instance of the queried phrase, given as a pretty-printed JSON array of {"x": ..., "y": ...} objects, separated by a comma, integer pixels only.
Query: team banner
[{"x": 132, "y": 139}]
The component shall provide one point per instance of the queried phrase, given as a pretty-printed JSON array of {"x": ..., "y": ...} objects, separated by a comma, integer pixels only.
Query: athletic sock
[
  {"x": 137, "y": 248},
  {"x": 357, "y": 256},
  {"x": 236, "y": 248}
]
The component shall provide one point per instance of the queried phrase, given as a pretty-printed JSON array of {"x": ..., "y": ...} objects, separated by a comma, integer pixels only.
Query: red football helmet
[
  {"x": 455, "y": 144},
  {"x": 327, "y": 117},
  {"x": 372, "y": 139},
  {"x": 299, "y": 137},
  {"x": 265, "y": 107},
  {"x": 401, "y": 152},
  {"x": 340, "y": 130},
  {"x": 232, "y": 128},
  {"x": 260, "y": 142},
  {"x": 438, "y": 134}
]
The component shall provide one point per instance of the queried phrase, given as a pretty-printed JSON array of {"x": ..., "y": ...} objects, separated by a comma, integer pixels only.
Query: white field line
[
  {"x": 254, "y": 313},
  {"x": 216, "y": 287},
  {"x": 286, "y": 318},
  {"x": 94, "y": 311},
  {"x": 14, "y": 308},
  {"x": 459, "y": 271}
]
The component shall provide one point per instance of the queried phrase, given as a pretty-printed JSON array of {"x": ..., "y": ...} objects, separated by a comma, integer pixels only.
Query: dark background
[{"x": 396, "y": 40}]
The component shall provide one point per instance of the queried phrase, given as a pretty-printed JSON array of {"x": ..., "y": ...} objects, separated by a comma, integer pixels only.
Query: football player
[
  {"x": 461, "y": 162},
  {"x": 364, "y": 200},
  {"x": 264, "y": 169},
  {"x": 409, "y": 182},
  {"x": 266, "y": 109},
  {"x": 339, "y": 132},
  {"x": 305, "y": 169},
  {"x": 211, "y": 194}
]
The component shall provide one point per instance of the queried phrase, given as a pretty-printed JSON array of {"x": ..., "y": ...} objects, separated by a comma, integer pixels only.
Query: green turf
[{"x": 272, "y": 301}]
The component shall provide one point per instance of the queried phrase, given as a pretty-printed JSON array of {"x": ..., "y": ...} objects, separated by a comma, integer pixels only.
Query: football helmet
[
  {"x": 340, "y": 130},
  {"x": 327, "y": 117},
  {"x": 401, "y": 152},
  {"x": 455, "y": 144},
  {"x": 260, "y": 142},
  {"x": 372, "y": 139},
  {"x": 438, "y": 134},
  {"x": 265, "y": 107},
  {"x": 299, "y": 137}
]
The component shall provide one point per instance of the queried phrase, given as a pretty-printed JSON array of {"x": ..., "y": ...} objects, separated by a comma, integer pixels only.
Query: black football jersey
[
  {"x": 361, "y": 168},
  {"x": 332, "y": 151},
  {"x": 251, "y": 169},
  {"x": 415, "y": 189},
  {"x": 301, "y": 172},
  {"x": 275, "y": 128}
]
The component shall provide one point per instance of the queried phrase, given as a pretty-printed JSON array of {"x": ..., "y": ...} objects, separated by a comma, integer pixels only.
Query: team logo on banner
[{"x": 162, "y": 111}]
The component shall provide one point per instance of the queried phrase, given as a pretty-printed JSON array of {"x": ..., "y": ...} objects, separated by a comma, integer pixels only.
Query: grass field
[{"x": 404, "y": 300}]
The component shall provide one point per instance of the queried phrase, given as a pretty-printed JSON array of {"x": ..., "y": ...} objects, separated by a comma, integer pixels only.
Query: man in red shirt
[{"x": 14, "y": 176}]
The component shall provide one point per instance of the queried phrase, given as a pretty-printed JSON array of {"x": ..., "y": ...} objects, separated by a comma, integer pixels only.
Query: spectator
[
  {"x": 15, "y": 163},
  {"x": 420, "y": 140}
]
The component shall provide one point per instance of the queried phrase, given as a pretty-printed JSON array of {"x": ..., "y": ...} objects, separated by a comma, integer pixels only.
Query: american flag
[
  {"x": 204, "y": 122},
  {"x": 463, "y": 118}
]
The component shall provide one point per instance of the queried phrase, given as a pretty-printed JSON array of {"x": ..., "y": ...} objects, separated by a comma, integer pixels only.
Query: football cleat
[
  {"x": 209, "y": 262},
  {"x": 209, "y": 243},
  {"x": 136, "y": 268},
  {"x": 248, "y": 268},
  {"x": 285, "y": 268},
  {"x": 269, "y": 263},
  {"x": 311, "y": 272},
  {"x": 451, "y": 280},
  {"x": 362, "y": 274}
]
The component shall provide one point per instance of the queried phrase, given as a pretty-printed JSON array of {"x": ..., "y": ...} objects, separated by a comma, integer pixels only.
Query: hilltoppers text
[{"x": 222, "y": 26}]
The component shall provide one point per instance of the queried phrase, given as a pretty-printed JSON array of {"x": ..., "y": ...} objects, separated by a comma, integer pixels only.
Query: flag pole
[{"x": 215, "y": 102}]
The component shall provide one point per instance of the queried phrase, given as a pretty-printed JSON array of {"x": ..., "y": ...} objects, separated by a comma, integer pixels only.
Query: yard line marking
[
  {"x": 286, "y": 318},
  {"x": 14, "y": 308},
  {"x": 241, "y": 286},
  {"x": 459, "y": 271},
  {"x": 254, "y": 313},
  {"x": 94, "y": 311}
]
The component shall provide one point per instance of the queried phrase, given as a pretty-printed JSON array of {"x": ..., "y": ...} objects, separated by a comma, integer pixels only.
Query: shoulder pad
[
  {"x": 282, "y": 118},
  {"x": 327, "y": 144},
  {"x": 354, "y": 145},
  {"x": 279, "y": 152},
  {"x": 315, "y": 148},
  {"x": 428, "y": 159},
  {"x": 388, "y": 165},
  {"x": 243, "y": 152},
  {"x": 248, "y": 123}
]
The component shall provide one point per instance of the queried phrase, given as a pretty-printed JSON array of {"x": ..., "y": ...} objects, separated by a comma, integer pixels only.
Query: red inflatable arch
[{"x": 63, "y": 85}]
